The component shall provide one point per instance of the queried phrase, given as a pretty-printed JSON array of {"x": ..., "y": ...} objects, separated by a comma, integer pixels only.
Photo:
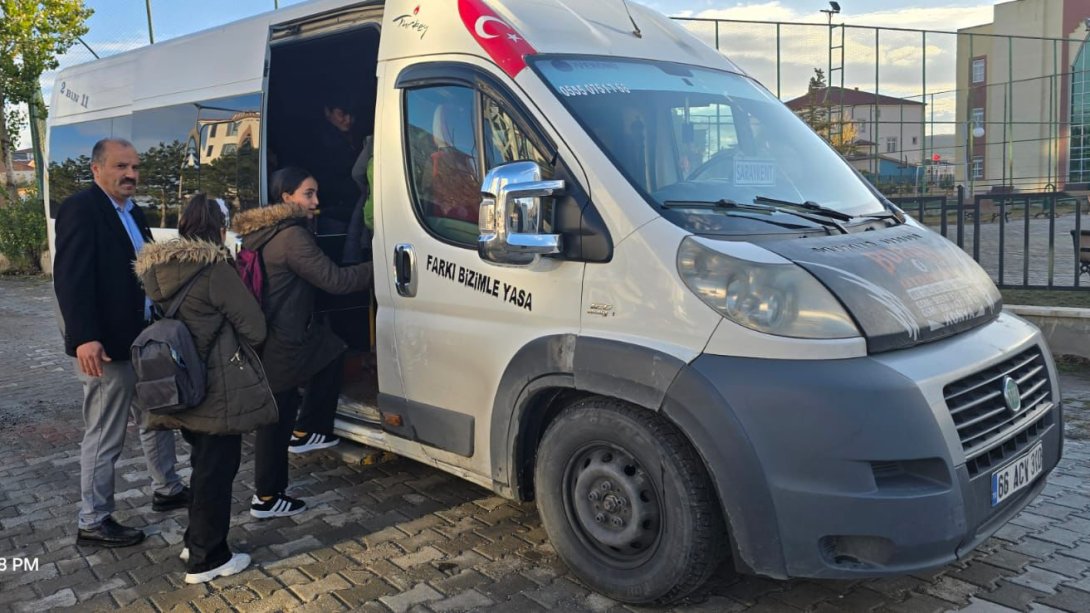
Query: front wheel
[{"x": 627, "y": 502}]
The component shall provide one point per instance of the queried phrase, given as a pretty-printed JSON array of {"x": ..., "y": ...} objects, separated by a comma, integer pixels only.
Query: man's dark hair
[
  {"x": 98, "y": 152},
  {"x": 341, "y": 100},
  {"x": 286, "y": 181},
  {"x": 202, "y": 220}
]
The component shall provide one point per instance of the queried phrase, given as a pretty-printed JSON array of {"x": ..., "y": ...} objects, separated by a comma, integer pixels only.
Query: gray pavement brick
[
  {"x": 854, "y": 601},
  {"x": 62, "y": 598},
  {"x": 421, "y": 556},
  {"x": 1075, "y": 601},
  {"x": 1012, "y": 595},
  {"x": 280, "y": 600},
  {"x": 806, "y": 594},
  {"x": 1039, "y": 579},
  {"x": 367, "y": 591},
  {"x": 1033, "y": 521},
  {"x": 420, "y": 593},
  {"x": 11, "y": 594},
  {"x": 469, "y": 600},
  {"x": 559, "y": 592},
  {"x": 323, "y": 603},
  {"x": 1010, "y": 560},
  {"x": 305, "y": 543},
  {"x": 1054, "y": 511},
  {"x": 309, "y": 591},
  {"x": 1061, "y": 535},
  {"x": 951, "y": 589},
  {"x": 920, "y": 603},
  {"x": 1065, "y": 565},
  {"x": 1082, "y": 584},
  {"x": 983, "y": 606},
  {"x": 1082, "y": 551}
]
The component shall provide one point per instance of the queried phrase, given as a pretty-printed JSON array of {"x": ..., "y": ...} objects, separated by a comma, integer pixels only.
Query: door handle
[{"x": 405, "y": 269}]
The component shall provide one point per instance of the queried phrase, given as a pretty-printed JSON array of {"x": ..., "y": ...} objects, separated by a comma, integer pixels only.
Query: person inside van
[
  {"x": 225, "y": 320},
  {"x": 452, "y": 185},
  {"x": 301, "y": 349},
  {"x": 335, "y": 151},
  {"x": 361, "y": 226}
]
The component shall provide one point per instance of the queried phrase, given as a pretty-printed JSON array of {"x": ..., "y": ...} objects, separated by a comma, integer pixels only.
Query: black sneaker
[
  {"x": 278, "y": 506},
  {"x": 109, "y": 534},
  {"x": 311, "y": 442},
  {"x": 162, "y": 504}
]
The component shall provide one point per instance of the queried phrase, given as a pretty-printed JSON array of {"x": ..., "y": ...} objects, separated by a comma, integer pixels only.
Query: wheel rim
[{"x": 613, "y": 504}]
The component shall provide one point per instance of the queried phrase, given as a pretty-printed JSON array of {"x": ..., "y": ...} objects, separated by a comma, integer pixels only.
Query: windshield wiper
[
  {"x": 722, "y": 203},
  {"x": 728, "y": 205},
  {"x": 809, "y": 205}
]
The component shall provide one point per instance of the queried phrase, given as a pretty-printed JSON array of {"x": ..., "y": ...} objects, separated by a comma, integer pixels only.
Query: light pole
[
  {"x": 151, "y": 32},
  {"x": 834, "y": 8}
]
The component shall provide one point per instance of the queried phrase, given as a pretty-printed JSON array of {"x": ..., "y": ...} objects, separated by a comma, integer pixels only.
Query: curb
[
  {"x": 1066, "y": 329},
  {"x": 354, "y": 453}
]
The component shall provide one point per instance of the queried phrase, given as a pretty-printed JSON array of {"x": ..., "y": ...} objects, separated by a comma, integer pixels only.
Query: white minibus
[{"x": 616, "y": 276}]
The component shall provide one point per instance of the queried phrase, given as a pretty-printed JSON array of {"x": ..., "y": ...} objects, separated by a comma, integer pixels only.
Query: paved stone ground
[
  {"x": 1014, "y": 248},
  {"x": 403, "y": 537}
]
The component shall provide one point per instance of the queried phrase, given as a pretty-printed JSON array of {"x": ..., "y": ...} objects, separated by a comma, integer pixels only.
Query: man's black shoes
[
  {"x": 162, "y": 504},
  {"x": 109, "y": 534}
]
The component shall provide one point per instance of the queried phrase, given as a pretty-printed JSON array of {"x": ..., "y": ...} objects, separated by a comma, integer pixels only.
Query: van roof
[{"x": 193, "y": 67}]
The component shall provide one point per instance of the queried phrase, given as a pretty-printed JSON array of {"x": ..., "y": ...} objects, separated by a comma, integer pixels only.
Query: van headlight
[{"x": 780, "y": 299}]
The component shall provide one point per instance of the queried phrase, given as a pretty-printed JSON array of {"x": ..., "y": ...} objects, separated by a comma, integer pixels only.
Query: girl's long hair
[{"x": 202, "y": 219}]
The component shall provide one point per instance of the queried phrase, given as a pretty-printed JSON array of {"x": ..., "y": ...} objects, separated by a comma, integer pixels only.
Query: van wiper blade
[
  {"x": 728, "y": 205},
  {"x": 809, "y": 205},
  {"x": 722, "y": 203}
]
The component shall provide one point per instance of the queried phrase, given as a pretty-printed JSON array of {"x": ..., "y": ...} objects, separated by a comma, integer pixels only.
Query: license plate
[{"x": 1018, "y": 474}]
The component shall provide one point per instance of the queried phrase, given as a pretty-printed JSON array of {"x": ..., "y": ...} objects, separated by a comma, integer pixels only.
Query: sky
[{"x": 120, "y": 25}]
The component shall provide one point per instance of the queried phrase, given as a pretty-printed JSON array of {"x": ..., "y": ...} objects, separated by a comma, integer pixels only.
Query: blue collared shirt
[{"x": 124, "y": 212}]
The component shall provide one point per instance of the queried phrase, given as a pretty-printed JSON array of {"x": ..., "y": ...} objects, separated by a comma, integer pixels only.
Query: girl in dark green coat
[{"x": 225, "y": 320}]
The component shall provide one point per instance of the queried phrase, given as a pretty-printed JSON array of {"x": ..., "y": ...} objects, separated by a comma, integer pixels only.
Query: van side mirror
[{"x": 510, "y": 219}]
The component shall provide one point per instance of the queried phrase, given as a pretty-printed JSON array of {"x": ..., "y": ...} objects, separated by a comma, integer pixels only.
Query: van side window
[
  {"x": 443, "y": 156},
  {"x": 505, "y": 142}
]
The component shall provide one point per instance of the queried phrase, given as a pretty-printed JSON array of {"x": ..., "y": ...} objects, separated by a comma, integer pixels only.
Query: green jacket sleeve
[{"x": 369, "y": 205}]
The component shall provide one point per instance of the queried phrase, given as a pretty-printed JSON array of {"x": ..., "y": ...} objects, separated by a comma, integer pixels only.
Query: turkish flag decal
[{"x": 503, "y": 43}]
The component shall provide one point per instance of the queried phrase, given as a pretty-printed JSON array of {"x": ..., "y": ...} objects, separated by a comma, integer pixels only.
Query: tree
[
  {"x": 33, "y": 33},
  {"x": 68, "y": 177},
  {"x": 818, "y": 114},
  {"x": 160, "y": 174}
]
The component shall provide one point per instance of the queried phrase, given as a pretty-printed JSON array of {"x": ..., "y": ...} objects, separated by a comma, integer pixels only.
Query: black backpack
[{"x": 170, "y": 374}]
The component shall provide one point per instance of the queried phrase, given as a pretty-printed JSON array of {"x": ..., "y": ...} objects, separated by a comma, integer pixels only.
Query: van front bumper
[{"x": 856, "y": 467}]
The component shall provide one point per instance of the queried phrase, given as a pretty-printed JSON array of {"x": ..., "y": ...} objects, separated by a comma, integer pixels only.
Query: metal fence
[
  {"x": 978, "y": 135},
  {"x": 926, "y": 128}
]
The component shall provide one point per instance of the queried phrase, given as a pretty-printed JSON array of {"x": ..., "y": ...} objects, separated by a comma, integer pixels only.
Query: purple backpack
[{"x": 251, "y": 268}]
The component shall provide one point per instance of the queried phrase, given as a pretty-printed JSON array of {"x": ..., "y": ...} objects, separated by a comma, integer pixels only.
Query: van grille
[{"x": 980, "y": 411}]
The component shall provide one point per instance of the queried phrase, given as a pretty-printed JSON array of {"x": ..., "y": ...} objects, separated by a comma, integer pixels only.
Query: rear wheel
[{"x": 627, "y": 503}]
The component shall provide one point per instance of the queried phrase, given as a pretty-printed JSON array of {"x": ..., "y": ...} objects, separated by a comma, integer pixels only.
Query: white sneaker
[
  {"x": 278, "y": 506},
  {"x": 237, "y": 564},
  {"x": 311, "y": 442},
  {"x": 184, "y": 556}
]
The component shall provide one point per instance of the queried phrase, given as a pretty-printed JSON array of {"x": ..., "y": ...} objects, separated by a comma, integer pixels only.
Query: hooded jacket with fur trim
[
  {"x": 221, "y": 314},
  {"x": 299, "y": 344}
]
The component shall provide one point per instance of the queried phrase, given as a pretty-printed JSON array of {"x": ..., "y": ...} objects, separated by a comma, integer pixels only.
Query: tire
[{"x": 627, "y": 503}]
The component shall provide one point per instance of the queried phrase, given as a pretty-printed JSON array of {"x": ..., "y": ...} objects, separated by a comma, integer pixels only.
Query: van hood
[{"x": 903, "y": 285}]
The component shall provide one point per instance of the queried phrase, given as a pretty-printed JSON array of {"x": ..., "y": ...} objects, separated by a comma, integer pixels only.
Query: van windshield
[{"x": 685, "y": 135}]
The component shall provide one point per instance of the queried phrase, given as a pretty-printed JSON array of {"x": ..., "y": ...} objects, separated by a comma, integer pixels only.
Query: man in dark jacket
[
  {"x": 98, "y": 234},
  {"x": 335, "y": 153}
]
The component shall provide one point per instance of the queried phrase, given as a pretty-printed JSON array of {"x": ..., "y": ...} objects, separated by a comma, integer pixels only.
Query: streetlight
[{"x": 834, "y": 9}]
